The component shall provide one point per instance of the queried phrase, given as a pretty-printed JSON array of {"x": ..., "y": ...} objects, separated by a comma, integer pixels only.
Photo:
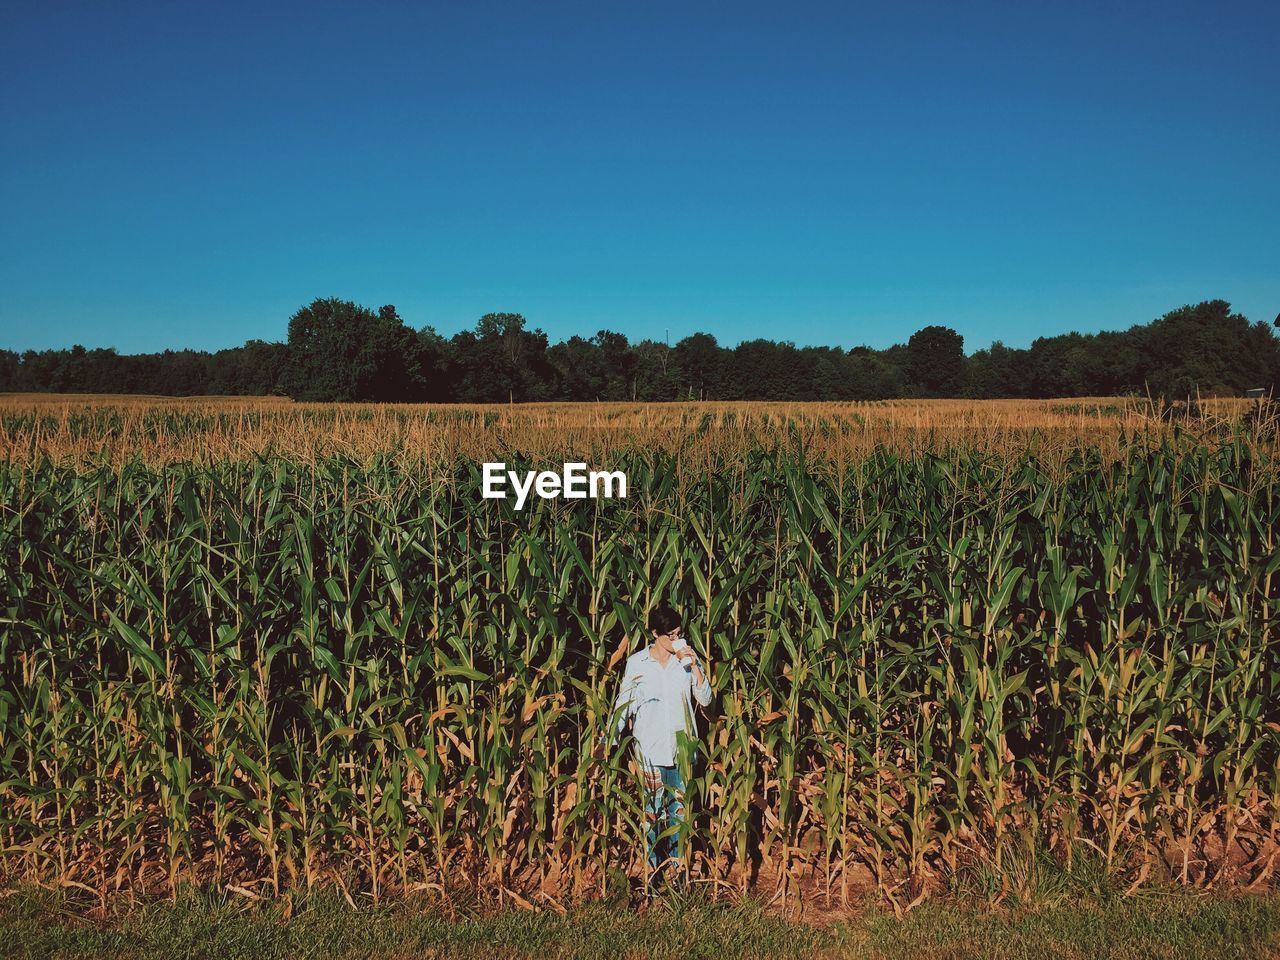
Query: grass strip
[{"x": 37, "y": 923}]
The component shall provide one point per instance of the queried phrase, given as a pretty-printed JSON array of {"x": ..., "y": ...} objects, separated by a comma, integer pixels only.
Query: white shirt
[{"x": 658, "y": 698}]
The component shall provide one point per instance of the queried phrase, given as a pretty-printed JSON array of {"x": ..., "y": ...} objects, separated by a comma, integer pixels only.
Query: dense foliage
[
  {"x": 279, "y": 673},
  {"x": 338, "y": 350}
]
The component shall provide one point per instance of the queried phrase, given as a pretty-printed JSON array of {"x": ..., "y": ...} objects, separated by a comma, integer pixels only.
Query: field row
[
  {"x": 281, "y": 673},
  {"x": 77, "y": 429}
]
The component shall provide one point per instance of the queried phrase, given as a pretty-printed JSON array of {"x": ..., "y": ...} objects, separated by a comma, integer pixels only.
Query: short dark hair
[{"x": 662, "y": 619}]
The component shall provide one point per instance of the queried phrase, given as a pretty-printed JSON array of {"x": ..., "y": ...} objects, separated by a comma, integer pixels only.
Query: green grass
[
  {"x": 42, "y": 924},
  {"x": 39, "y": 924},
  {"x": 1223, "y": 927}
]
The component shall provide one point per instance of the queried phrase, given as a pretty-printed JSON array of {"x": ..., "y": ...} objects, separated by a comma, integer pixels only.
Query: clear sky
[{"x": 187, "y": 174}]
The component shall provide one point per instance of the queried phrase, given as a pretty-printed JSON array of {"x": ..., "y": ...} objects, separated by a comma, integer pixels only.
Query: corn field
[{"x": 270, "y": 673}]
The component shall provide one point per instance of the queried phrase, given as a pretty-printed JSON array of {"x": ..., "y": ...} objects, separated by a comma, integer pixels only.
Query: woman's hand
[{"x": 687, "y": 657}]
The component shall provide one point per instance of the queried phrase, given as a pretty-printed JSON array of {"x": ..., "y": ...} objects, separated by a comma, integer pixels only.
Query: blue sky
[{"x": 189, "y": 174}]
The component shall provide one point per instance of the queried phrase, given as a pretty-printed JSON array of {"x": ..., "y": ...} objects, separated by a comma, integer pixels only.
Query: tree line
[{"x": 340, "y": 351}]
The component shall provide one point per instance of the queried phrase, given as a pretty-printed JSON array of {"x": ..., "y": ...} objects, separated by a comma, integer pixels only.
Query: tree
[
  {"x": 251, "y": 370},
  {"x": 874, "y": 376},
  {"x": 580, "y": 369},
  {"x": 619, "y": 362},
  {"x": 602, "y": 368},
  {"x": 936, "y": 359},
  {"x": 751, "y": 370},
  {"x": 997, "y": 371},
  {"x": 433, "y": 360},
  {"x": 1207, "y": 348},
  {"x": 765, "y": 370},
  {"x": 502, "y": 362},
  {"x": 654, "y": 377},
  {"x": 339, "y": 351},
  {"x": 832, "y": 374},
  {"x": 10, "y": 371},
  {"x": 697, "y": 361}
]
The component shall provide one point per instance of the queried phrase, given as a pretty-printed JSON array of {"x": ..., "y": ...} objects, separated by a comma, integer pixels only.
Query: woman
[{"x": 659, "y": 685}]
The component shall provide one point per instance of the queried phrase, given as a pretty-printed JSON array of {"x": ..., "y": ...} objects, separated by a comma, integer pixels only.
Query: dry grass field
[{"x": 207, "y": 430}]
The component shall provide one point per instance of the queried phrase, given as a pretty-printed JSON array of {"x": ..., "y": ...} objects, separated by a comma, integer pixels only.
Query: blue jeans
[{"x": 664, "y": 809}]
